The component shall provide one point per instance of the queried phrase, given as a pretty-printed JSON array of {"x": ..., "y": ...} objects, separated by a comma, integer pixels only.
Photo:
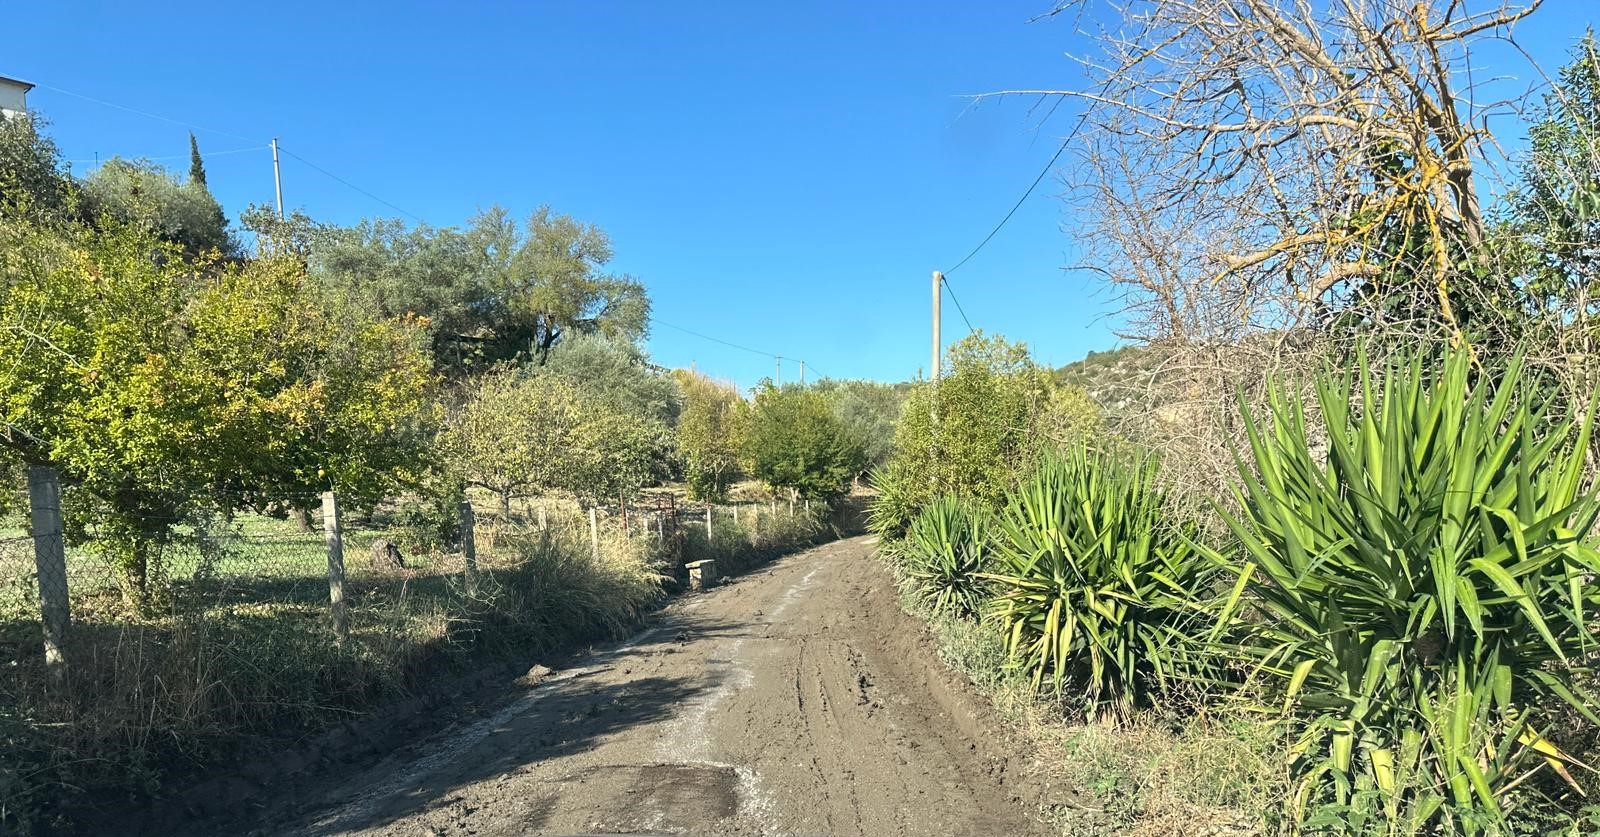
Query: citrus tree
[{"x": 161, "y": 386}]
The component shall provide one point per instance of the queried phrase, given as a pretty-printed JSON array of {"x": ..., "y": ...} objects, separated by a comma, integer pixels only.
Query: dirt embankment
[{"x": 796, "y": 700}]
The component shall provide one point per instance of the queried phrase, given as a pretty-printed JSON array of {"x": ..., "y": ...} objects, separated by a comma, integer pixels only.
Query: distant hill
[{"x": 1118, "y": 380}]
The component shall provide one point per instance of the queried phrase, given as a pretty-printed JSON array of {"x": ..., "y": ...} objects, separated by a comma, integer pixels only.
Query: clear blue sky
[{"x": 782, "y": 176}]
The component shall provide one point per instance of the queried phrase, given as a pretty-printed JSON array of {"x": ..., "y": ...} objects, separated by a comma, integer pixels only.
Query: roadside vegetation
[
  {"x": 197, "y": 386},
  {"x": 1319, "y": 555}
]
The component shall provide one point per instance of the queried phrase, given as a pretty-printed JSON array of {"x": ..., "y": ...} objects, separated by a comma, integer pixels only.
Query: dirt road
[{"x": 795, "y": 700}]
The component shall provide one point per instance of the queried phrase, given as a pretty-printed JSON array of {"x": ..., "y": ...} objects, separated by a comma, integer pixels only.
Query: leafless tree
[{"x": 1252, "y": 165}]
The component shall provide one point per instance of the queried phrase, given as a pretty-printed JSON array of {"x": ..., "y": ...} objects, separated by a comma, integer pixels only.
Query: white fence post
[
  {"x": 335, "y": 540},
  {"x": 50, "y": 561}
]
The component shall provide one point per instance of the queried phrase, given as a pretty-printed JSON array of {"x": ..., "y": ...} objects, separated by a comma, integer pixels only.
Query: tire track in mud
[{"x": 794, "y": 700}]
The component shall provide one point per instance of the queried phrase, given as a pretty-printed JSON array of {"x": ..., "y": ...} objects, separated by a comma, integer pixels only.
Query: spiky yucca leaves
[
  {"x": 944, "y": 553},
  {"x": 1421, "y": 589},
  {"x": 1095, "y": 582}
]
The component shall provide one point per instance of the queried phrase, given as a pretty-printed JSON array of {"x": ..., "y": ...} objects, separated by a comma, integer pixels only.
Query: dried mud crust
[{"x": 798, "y": 699}]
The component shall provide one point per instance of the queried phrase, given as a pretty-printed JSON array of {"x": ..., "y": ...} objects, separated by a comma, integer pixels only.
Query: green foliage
[
  {"x": 197, "y": 165},
  {"x": 978, "y": 431},
  {"x": 523, "y": 432},
  {"x": 1557, "y": 205},
  {"x": 143, "y": 193},
  {"x": 510, "y": 433},
  {"x": 944, "y": 553},
  {"x": 1095, "y": 582},
  {"x": 900, "y": 498},
  {"x": 491, "y": 292},
  {"x": 617, "y": 373},
  {"x": 1420, "y": 593},
  {"x": 710, "y": 432},
  {"x": 869, "y": 410},
  {"x": 32, "y": 184},
  {"x": 158, "y": 385},
  {"x": 796, "y": 442}
]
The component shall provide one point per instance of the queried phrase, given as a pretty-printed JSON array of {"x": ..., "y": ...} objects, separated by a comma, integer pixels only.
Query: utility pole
[
  {"x": 777, "y": 375},
  {"x": 802, "y": 373},
  {"x": 938, "y": 281},
  {"x": 277, "y": 177}
]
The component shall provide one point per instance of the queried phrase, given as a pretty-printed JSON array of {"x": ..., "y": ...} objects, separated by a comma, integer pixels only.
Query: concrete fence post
[
  {"x": 736, "y": 514},
  {"x": 708, "y": 523},
  {"x": 469, "y": 547},
  {"x": 50, "y": 561},
  {"x": 594, "y": 533},
  {"x": 334, "y": 536}
]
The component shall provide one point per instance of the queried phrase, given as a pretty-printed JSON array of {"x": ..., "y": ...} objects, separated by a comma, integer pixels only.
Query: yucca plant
[
  {"x": 944, "y": 553},
  {"x": 1421, "y": 590},
  {"x": 1096, "y": 583},
  {"x": 901, "y": 495}
]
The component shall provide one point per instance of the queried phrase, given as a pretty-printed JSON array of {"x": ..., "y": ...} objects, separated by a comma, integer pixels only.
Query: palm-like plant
[
  {"x": 1095, "y": 582},
  {"x": 943, "y": 555},
  {"x": 1421, "y": 589}
]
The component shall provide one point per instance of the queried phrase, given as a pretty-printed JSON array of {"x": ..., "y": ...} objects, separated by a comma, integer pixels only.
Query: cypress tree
[{"x": 197, "y": 168}]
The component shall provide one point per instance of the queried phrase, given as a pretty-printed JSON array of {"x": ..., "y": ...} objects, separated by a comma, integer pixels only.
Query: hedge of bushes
[{"x": 1402, "y": 588}]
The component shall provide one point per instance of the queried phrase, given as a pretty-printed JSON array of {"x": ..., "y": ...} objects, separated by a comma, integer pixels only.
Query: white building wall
[{"x": 13, "y": 98}]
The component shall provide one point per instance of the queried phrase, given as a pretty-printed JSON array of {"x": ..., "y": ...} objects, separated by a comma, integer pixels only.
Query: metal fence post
[
  {"x": 594, "y": 533},
  {"x": 469, "y": 547},
  {"x": 50, "y": 561},
  {"x": 335, "y": 539}
]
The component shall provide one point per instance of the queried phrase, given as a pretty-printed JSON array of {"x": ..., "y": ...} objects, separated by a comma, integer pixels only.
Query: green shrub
[
  {"x": 1096, "y": 583},
  {"x": 943, "y": 555},
  {"x": 1419, "y": 593},
  {"x": 900, "y": 497}
]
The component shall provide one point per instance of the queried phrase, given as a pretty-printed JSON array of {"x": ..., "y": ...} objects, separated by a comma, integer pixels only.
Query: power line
[
  {"x": 206, "y": 155},
  {"x": 1018, "y": 205},
  {"x": 412, "y": 215},
  {"x": 952, "y": 291},
  {"x": 655, "y": 321},
  {"x": 148, "y": 114},
  {"x": 192, "y": 126},
  {"x": 419, "y": 219},
  {"x": 774, "y": 356}
]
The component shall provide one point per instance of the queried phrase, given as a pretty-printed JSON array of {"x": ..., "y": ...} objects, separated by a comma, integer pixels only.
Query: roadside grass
[{"x": 1151, "y": 775}]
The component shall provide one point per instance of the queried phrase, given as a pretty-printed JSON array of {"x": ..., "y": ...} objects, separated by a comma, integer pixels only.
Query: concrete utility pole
[
  {"x": 802, "y": 373},
  {"x": 777, "y": 374},
  {"x": 938, "y": 281},
  {"x": 277, "y": 177}
]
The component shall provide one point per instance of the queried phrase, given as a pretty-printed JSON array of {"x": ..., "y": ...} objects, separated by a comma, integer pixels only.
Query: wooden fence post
[
  {"x": 469, "y": 547},
  {"x": 50, "y": 561},
  {"x": 335, "y": 540},
  {"x": 594, "y": 533}
]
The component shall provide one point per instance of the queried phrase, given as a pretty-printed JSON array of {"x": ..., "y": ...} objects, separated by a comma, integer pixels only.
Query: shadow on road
[{"x": 560, "y": 718}]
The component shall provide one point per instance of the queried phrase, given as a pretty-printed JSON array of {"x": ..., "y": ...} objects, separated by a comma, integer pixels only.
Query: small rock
[{"x": 536, "y": 675}]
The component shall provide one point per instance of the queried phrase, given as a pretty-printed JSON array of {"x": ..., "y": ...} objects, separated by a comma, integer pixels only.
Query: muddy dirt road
[{"x": 795, "y": 700}]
